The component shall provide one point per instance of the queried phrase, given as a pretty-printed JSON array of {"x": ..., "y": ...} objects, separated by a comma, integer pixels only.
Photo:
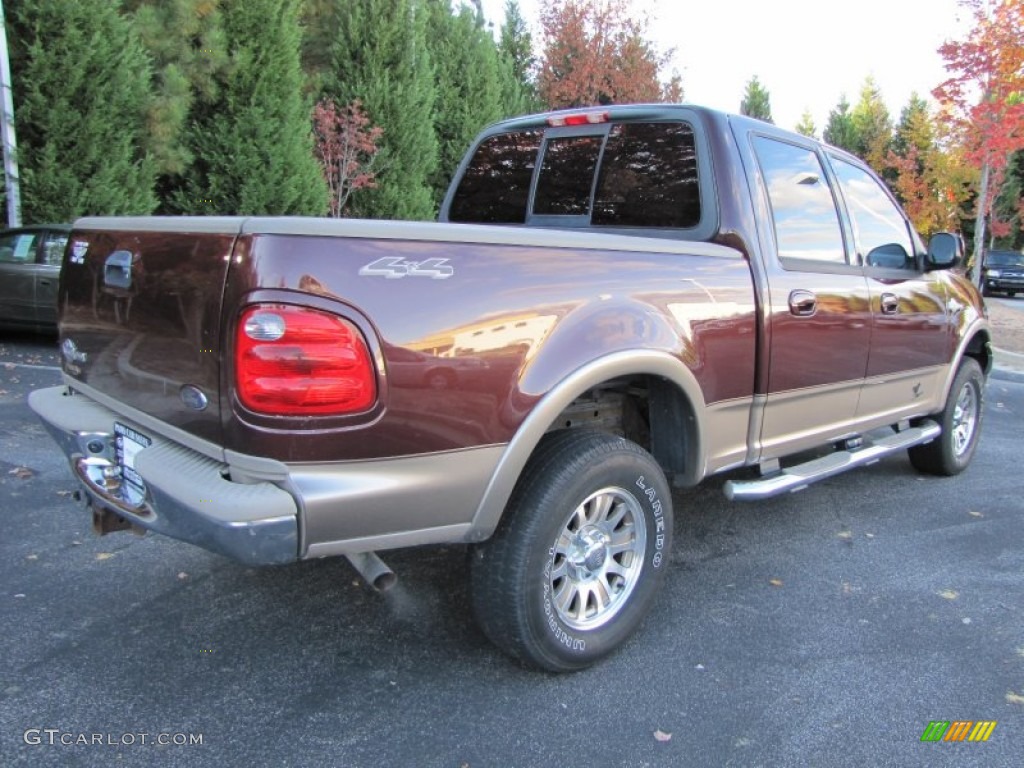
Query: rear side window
[
  {"x": 630, "y": 175},
  {"x": 18, "y": 247},
  {"x": 53, "y": 248},
  {"x": 496, "y": 185}
]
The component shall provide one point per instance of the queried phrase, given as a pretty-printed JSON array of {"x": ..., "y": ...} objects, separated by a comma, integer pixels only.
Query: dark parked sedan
[
  {"x": 30, "y": 259},
  {"x": 1004, "y": 272}
]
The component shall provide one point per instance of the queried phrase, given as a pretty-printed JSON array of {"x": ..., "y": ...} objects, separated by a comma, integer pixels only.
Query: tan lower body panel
[
  {"x": 355, "y": 506},
  {"x": 726, "y": 427},
  {"x": 801, "y": 419},
  {"x": 806, "y": 418},
  {"x": 895, "y": 396}
]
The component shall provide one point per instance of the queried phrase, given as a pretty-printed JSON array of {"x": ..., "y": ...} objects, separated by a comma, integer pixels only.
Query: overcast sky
[{"x": 805, "y": 52}]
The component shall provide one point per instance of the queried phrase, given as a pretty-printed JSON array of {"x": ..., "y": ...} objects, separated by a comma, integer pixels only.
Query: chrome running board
[{"x": 796, "y": 478}]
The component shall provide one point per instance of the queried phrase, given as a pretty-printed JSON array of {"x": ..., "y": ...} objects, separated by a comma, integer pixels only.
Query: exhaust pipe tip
[{"x": 373, "y": 570}]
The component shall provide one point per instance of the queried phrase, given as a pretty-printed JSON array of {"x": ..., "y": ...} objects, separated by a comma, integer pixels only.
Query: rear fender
[{"x": 655, "y": 363}]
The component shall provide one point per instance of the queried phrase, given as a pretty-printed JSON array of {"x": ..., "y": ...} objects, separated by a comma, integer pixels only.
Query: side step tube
[{"x": 792, "y": 479}]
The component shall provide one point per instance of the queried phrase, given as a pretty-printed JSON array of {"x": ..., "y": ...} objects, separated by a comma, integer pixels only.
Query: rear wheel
[
  {"x": 580, "y": 553},
  {"x": 951, "y": 452}
]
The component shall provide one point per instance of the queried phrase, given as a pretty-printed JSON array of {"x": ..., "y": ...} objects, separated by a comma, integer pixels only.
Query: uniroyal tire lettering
[{"x": 563, "y": 637}]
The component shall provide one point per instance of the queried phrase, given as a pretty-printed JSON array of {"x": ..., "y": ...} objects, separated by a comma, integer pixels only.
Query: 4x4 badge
[{"x": 395, "y": 267}]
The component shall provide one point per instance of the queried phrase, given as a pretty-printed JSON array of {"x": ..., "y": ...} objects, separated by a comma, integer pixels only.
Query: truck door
[
  {"x": 818, "y": 313},
  {"x": 911, "y": 343}
]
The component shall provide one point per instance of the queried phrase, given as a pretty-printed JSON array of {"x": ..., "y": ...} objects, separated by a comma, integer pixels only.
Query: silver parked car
[{"x": 30, "y": 259}]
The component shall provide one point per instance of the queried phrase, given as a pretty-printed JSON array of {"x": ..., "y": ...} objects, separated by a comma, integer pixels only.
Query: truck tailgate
[{"x": 140, "y": 320}]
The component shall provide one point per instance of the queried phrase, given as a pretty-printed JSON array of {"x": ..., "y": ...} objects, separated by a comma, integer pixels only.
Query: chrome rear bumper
[{"x": 187, "y": 495}]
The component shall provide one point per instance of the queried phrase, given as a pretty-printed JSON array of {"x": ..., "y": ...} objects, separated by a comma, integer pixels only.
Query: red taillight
[
  {"x": 586, "y": 118},
  {"x": 293, "y": 361}
]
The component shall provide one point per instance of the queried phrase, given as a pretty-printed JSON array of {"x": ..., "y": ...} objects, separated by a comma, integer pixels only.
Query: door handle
[
  {"x": 803, "y": 303},
  {"x": 890, "y": 304},
  {"x": 44, "y": 282}
]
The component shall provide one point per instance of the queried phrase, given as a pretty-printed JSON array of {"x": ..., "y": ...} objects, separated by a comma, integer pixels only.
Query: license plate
[{"x": 129, "y": 442}]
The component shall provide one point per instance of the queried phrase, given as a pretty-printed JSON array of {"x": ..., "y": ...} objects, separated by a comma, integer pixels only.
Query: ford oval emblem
[{"x": 193, "y": 397}]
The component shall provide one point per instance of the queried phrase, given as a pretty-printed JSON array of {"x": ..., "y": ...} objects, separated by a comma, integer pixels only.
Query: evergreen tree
[
  {"x": 379, "y": 56},
  {"x": 468, "y": 85},
  {"x": 840, "y": 131},
  {"x": 872, "y": 125},
  {"x": 515, "y": 47},
  {"x": 185, "y": 38},
  {"x": 914, "y": 128},
  {"x": 186, "y": 41},
  {"x": 252, "y": 143},
  {"x": 806, "y": 126},
  {"x": 1007, "y": 230},
  {"x": 756, "y": 101},
  {"x": 81, "y": 83},
  {"x": 319, "y": 19}
]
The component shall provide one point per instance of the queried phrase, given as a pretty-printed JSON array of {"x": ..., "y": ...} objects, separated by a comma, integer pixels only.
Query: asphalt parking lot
[{"x": 827, "y": 628}]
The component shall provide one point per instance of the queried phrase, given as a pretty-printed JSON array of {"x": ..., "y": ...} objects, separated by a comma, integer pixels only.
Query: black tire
[
  {"x": 960, "y": 419},
  {"x": 582, "y": 495}
]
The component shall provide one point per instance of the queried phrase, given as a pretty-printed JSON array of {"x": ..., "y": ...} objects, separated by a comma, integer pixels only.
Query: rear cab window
[{"x": 637, "y": 174}]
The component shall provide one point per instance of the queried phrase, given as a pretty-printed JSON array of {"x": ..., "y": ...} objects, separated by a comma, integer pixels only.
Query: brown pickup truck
[{"x": 615, "y": 301}]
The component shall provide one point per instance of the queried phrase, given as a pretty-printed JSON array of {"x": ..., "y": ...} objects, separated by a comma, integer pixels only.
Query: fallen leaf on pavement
[
  {"x": 775, "y": 582},
  {"x": 976, "y": 514},
  {"x": 845, "y": 535},
  {"x": 1014, "y": 698},
  {"x": 949, "y": 594},
  {"x": 660, "y": 735},
  {"x": 22, "y": 473},
  {"x": 104, "y": 555},
  {"x": 32, "y": 557}
]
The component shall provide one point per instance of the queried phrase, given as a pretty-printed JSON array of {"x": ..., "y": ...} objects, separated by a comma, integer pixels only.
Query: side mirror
[
  {"x": 944, "y": 251},
  {"x": 889, "y": 256}
]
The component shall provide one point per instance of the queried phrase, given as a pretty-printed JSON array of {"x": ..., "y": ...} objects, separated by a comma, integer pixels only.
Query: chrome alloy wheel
[
  {"x": 597, "y": 558},
  {"x": 965, "y": 418}
]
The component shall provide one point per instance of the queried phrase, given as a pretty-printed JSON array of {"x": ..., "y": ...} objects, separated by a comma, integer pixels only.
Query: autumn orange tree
[
  {"x": 983, "y": 100},
  {"x": 927, "y": 171},
  {"x": 346, "y": 146},
  {"x": 595, "y": 52}
]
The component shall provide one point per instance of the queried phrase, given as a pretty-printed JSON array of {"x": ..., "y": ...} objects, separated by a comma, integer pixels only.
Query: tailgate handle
[{"x": 117, "y": 269}]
